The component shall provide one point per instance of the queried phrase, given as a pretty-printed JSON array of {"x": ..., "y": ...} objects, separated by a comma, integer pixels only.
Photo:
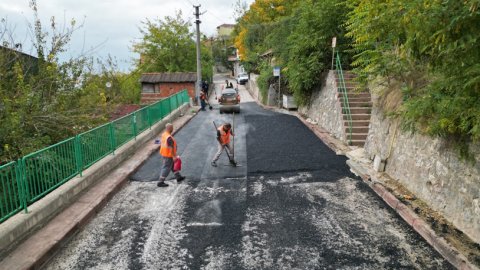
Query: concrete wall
[
  {"x": 252, "y": 87},
  {"x": 324, "y": 108},
  {"x": 431, "y": 170},
  {"x": 15, "y": 229}
]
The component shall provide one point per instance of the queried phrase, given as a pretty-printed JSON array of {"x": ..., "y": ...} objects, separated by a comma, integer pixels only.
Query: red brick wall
[{"x": 166, "y": 90}]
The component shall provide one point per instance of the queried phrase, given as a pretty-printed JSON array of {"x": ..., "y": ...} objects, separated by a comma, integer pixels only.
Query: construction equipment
[{"x": 231, "y": 159}]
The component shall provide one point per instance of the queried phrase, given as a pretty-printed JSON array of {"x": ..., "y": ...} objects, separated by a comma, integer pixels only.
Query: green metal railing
[
  {"x": 30, "y": 178},
  {"x": 343, "y": 89}
]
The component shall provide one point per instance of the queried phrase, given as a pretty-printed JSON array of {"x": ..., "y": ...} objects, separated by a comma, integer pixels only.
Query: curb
[{"x": 41, "y": 246}]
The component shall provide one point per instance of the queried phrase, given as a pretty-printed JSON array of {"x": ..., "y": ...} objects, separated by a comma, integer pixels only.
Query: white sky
[{"x": 110, "y": 26}]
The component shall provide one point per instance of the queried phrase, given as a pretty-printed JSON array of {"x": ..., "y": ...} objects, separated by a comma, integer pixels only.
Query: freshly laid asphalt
[{"x": 292, "y": 204}]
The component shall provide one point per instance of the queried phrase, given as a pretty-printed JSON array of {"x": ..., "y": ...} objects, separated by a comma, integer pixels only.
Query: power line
[{"x": 216, "y": 17}]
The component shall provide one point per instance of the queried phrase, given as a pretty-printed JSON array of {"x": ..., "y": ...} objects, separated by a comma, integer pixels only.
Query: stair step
[
  {"x": 357, "y": 123},
  {"x": 359, "y": 104},
  {"x": 355, "y": 95},
  {"x": 358, "y": 110},
  {"x": 360, "y": 130},
  {"x": 357, "y": 136},
  {"x": 346, "y": 74},
  {"x": 358, "y": 117},
  {"x": 348, "y": 83},
  {"x": 359, "y": 143},
  {"x": 357, "y": 99}
]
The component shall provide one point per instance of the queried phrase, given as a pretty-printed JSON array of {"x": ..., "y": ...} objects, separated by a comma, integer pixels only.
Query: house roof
[
  {"x": 226, "y": 25},
  {"x": 168, "y": 77},
  {"x": 16, "y": 51},
  {"x": 267, "y": 53}
]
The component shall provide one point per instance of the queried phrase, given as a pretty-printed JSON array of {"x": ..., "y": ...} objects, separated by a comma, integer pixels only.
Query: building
[
  {"x": 225, "y": 30},
  {"x": 156, "y": 86},
  {"x": 10, "y": 56}
]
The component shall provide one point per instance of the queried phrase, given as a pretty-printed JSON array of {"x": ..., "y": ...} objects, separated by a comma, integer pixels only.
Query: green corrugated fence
[{"x": 30, "y": 178}]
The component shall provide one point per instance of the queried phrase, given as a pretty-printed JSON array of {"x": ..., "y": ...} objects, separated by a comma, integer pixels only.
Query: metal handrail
[
  {"x": 343, "y": 89},
  {"x": 35, "y": 175}
]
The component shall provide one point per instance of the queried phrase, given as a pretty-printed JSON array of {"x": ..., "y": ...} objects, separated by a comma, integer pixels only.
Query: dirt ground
[{"x": 438, "y": 223}]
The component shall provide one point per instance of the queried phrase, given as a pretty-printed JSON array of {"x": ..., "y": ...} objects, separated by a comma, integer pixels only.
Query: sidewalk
[{"x": 42, "y": 245}]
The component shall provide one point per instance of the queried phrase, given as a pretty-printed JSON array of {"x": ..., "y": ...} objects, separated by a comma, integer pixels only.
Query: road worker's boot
[
  {"x": 179, "y": 177},
  {"x": 214, "y": 164},
  {"x": 233, "y": 163},
  {"x": 162, "y": 184}
]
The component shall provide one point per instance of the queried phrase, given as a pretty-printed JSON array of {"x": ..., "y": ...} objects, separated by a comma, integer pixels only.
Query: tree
[
  {"x": 44, "y": 100},
  {"x": 253, "y": 26},
  {"x": 168, "y": 46},
  {"x": 299, "y": 34},
  {"x": 308, "y": 52},
  {"x": 431, "y": 50},
  {"x": 222, "y": 48}
]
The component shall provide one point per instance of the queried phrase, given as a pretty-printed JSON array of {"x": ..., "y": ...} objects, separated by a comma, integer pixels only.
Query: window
[{"x": 148, "y": 88}]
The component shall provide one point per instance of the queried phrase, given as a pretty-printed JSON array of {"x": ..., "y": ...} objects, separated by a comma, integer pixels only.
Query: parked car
[
  {"x": 229, "y": 100},
  {"x": 242, "y": 78}
]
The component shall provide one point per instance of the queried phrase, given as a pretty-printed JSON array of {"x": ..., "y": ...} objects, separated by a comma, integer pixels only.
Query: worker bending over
[{"x": 223, "y": 137}]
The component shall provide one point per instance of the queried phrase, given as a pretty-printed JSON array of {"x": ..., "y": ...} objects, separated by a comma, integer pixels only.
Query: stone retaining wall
[
  {"x": 324, "y": 108},
  {"x": 428, "y": 168},
  {"x": 431, "y": 170}
]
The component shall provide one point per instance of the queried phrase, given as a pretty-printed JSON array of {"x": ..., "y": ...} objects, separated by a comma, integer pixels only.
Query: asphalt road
[{"x": 293, "y": 204}]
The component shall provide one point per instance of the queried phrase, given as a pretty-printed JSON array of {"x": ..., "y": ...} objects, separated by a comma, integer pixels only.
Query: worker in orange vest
[
  {"x": 203, "y": 98},
  {"x": 223, "y": 137},
  {"x": 168, "y": 151}
]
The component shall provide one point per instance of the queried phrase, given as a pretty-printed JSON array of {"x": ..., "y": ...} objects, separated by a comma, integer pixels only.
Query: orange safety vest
[
  {"x": 224, "y": 136},
  {"x": 165, "y": 149}
]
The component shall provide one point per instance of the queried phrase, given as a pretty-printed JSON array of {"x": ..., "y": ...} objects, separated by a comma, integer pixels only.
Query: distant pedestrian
[
  {"x": 223, "y": 137},
  {"x": 168, "y": 151},
  {"x": 205, "y": 87},
  {"x": 203, "y": 100}
]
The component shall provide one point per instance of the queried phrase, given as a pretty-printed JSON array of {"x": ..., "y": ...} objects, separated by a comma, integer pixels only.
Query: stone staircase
[{"x": 360, "y": 102}]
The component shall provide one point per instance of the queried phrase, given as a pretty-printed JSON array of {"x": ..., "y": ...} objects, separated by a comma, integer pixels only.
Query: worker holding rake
[{"x": 223, "y": 137}]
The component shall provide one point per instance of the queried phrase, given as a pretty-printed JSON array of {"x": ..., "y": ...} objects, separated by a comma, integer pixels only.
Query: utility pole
[{"x": 199, "y": 63}]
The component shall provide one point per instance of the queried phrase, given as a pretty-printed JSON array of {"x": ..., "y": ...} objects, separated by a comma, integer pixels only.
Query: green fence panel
[
  {"x": 142, "y": 120},
  {"x": 156, "y": 112},
  {"x": 166, "y": 106},
  {"x": 123, "y": 130},
  {"x": 10, "y": 191},
  {"x": 172, "y": 104},
  {"x": 187, "y": 97},
  {"x": 94, "y": 145},
  {"x": 48, "y": 168},
  {"x": 35, "y": 175}
]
